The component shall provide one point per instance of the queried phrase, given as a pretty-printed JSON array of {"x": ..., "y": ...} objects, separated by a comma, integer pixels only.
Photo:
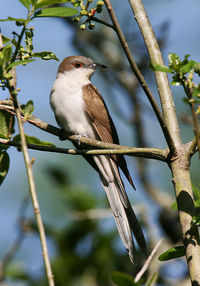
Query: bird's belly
[{"x": 70, "y": 113}]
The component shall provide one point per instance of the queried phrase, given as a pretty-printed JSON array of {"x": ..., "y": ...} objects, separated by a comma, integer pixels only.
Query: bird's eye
[{"x": 78, "y": 65}]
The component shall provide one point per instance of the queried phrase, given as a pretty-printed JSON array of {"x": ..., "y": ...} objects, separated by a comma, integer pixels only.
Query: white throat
[{"x": 67, "y": 101}]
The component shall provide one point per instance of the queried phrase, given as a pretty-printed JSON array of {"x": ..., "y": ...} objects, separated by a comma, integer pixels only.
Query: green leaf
[
  {"x": 123, "y": 279},
  {"x": 195, "y": 221},
  {"x": 6, "y": 124},
  {"x": 196, "y": 91},
  {"x": 5, "y": 40},
  {"x": 22, "y": 62},
  {"x": 45, "y": 55},
  {"x": 27, "y": 109},
  {"x": 161, "y": 68},
  {"x": 174, "y": 252},
  {"x": 45, "y": 3},
  {"x": 4, "y": 165},
  {"x": 33, "y": 140},
  {"x": 174, "y": 61},
  {"x": 197, "y": 68},
  {"x": 187, "y": 67},
  {"x": 56, "y": 12},
  {"x": 14, "y": 19},
  {"x": 26, "y": 3}
]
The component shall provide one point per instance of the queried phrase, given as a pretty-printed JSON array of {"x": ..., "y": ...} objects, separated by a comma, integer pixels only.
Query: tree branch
[
  {"x": 173, "y": 134},
  {"x": 138, "y": 74},
  {"x": 149, "y": 153}
]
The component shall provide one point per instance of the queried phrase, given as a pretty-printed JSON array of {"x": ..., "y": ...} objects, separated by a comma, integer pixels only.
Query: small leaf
[
  {"x": 161, "y": 68},
  {"x": 123, "y": 279},
  {"x": 197, "y": 68},
  {"x": 22, "y": 62},
  {"x": 174, "y": 252},
  {"x": 33, "y": 140},
  {"x": 5, "y": 40},
  {"x": 27, "y": 109},
  {"x": 45, "y": 3},
  {"x": 45, "y": 55},
  {"x": 14, "y": 19},
  {"x": 56, "y": 12},
  {"x": 195, "y": 221},
  {"x": 26, "y": 3},
  {"x": 4, "y": 165},
  {"x": 187, "y": 67},
  {"x": 6, "y": 124}
]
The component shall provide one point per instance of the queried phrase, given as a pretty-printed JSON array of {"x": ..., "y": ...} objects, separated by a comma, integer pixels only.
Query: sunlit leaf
[
  {"x": 4, "y": 165},
  {"x": 5, "y": 40},
  {"x": 45, "y": 3},
  {"x": 161, "y": 68},
  {"x": 33, "y": 140},
  {"x": 26, "y": 3},
  {"x": 6, "y": 124},
  {"x": 172, "y": 253},
  {"x": 56, "y": 12},
  {"x": 45, "y": 55},
  {"x": 187, "y": 67},
  {"x": 14, "y": 19},
  {"x": 27, "y": 109},
  {"x": 22, "y": 62}
]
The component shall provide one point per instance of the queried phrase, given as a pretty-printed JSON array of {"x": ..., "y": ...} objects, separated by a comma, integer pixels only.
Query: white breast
[{"x": 67, "y": 103}]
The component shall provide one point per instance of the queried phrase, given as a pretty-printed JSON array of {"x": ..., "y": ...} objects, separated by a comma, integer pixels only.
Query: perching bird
[{"x": 80, "y": 109}]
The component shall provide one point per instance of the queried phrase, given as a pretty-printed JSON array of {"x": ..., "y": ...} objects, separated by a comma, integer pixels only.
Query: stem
[
  {"x": 185, "y": 201},
  {"x": 32, "y": 190}
]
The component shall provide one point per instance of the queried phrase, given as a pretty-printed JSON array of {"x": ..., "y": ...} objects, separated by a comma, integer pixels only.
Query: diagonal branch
[
  {"x": 169, "y": 113},
  {"x": 138, "y": 74}
]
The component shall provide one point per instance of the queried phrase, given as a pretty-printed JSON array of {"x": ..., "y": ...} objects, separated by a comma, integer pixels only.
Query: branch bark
[{"x": 180, "y": 154}]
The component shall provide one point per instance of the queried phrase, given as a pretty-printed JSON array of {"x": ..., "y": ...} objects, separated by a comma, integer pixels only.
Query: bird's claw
[{"x": 79, "y": 136}]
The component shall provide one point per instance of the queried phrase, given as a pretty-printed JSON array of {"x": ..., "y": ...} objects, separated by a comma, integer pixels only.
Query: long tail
[{"x": 124, "y": 215}]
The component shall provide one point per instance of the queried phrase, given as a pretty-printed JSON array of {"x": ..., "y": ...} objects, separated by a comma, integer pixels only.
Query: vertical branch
[
  {"x": 11, "y": 84},
  {"x": 138, "y": 74},
  {"x": 161, "y": 77},
  {"x": 32, "y": 188},
  {"x": 180, "y": 160}
]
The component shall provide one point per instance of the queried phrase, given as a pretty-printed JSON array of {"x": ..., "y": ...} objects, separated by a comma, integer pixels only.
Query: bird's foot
[{"x": 79, "y": 136}]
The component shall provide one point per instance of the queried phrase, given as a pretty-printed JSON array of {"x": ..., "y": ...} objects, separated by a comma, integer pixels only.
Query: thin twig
[
  {"x": 137, "y": 73},
  {"x": 95, "y": 19},
  {"x": 149, "y": 153},
  {"x": 148, "y": 261}
]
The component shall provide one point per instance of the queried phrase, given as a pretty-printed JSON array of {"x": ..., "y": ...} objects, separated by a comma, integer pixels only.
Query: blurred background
[{"x": 83, "y": 243}]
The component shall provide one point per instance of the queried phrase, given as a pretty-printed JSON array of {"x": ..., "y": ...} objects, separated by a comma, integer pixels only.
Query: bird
[{"x": 80, "y": 109}]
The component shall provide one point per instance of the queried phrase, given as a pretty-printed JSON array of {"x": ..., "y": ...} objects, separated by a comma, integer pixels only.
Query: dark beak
[{"x": 98, "y": 66}]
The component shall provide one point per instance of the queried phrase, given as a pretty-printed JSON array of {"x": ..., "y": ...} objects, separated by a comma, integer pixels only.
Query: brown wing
[{"x": 98, "y": 113}]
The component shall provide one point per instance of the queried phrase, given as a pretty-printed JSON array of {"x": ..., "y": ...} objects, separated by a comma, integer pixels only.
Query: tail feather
[
  {"x": 123, "y": 213},
  {"x": 121, "y": 219}
]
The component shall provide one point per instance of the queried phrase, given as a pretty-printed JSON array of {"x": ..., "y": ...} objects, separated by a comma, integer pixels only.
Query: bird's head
[{"x": 79, "y": 65}]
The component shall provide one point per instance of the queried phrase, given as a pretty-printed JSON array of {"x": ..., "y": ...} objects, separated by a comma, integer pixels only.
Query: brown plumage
[{"x": 79, "y": 108}]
